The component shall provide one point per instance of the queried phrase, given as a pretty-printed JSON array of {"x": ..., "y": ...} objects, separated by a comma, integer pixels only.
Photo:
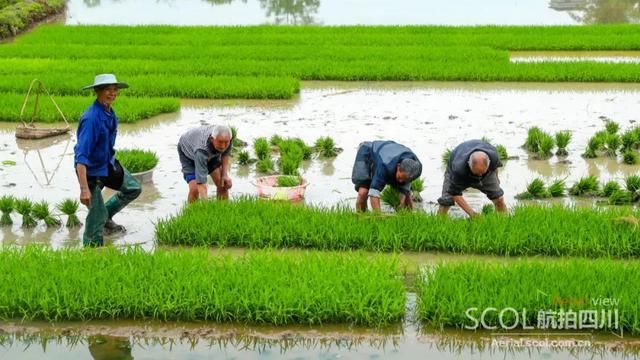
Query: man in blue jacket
[
  {"x": 96, "y": 165},
  {"x": 380, "y": 163},
  {"x": 472, "y": 164}
]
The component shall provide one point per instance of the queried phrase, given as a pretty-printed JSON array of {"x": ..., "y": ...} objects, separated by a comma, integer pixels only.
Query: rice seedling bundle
[
  {"x": 288, "y": 181},
  {"x": 41, "y": 212},
  {"x": 261, "y": 148},
  {"x": 326, "y": 147},
  {"x": 417, "y": 186},
  {"x": 621, "y": 197},
  {"x": 390, "y": 196},
  {"x": 612, "y": 127},
  {"x": 446, "y": 155},
  {"x": 557, "y": 188},
  {"x": 539, "y": 143},
  {"x": 562, "y": 140},
  {"x": 292, "y": 152},
  {"x": 502, "y": 152},
  {"x": 275, "y": 140},
  {"x": 137, "y": 160},
  {"x": 453, "y": 294},
  {"x": 528, "y": 230},
  {"x": 24, "y": 207},
  {"x": 236, "y": 142},
  {"x": 632, "y": 183},
  {"x": 609, "y": 188},
  {"x": 243, "y": 157},
  {"x": 630, "y": 139},
  {"x": 259, "y": 287},
  {"x": 265, "y": 166},
  {"x": 630, "y": 157},
  {"x": 586, "y": 186},
  {"x": 69, "y": 207},
  {"x": 7, "y": 204},
  {"x": 536, "y": 189},
  {"x": 612, "y": 144}
]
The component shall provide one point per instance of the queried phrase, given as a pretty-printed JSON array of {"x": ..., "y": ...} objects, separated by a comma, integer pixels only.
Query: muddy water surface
[{"x": 428, "y": 117}]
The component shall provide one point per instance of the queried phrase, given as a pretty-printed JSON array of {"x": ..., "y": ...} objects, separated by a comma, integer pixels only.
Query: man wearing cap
[
  {"x": 205, "y": 151},
  {"x": 381, "y": 163},
  {"x": 472, "y": 164},
  {"x": 96, "y": 165}
]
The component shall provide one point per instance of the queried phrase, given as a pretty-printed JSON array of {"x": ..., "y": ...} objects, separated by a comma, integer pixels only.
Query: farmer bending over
[
  {"x": 205, "y": 150},
  {"x": 96, "y": 165},
  {"x": 474, "y": 164},
  {"x": 380, "y": 163}
]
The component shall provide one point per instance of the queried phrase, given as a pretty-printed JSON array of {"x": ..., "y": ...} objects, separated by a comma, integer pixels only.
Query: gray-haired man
[
  {"x": 381, "y": 163},
  {"x": 474, "y": 164},
  {"x": 205, "y": 151}
]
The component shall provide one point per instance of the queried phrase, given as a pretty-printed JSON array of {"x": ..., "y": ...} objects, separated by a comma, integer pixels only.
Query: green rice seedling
[
  {"x": 502, "y": 152},
  {"x": 41, "y": 212},
  {"x": 632, "y": 183},
  {"x": 275, "y": 140},
  {"x": 7, "y": 203},
  {"x": 260, "y": 287},
  {"x": 288, "y": 181},
  {"x": 453, "y": 294},
  {"x": 137, "y": 160},
  {"x": 535, "y": 190},
  {"x": 595, "y": 144},
  {"x": 629, "y": 140},
  {"x": 636, "y": 135},
  {"x": 326, "y": 147},
  {"x": 525, "y": 231},
  {"x": 562, "y": 140},
  {"x": 243, "y": 157},
  {"x": 307, "y": 151},
  {"x": 612, "y": 127},
  {"x": 265, "y": 166},
  {"x": 586, "y": 186},
  {"x": 390, "y": 196},
  {"x": 609, "y": 188},
  {"x": 236, "y": 142},
  {"x": 621, "y": 197},
  {"x": 417, "y": 186},
  {"x": 630, "y": 157},
  {"x": 488, "y": 209},
  {"x": 534, "y": 136},
  {"x": 292, "y": 152},
  {"x": 261, "y": 148},
  {"x": 557, "y": 188},
  {"x": 446, "y": 156},
  {"x": 24, "y": 207},
  {"x": 612, "y": 144},
  {"x": 547, "y": 143},
  {"x": 69, "y": 207}
]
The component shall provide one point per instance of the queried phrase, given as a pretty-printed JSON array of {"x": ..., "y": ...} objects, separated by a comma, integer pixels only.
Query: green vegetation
[
  {"x": 259, "y": 287},
  {"x": 243, "y": 157},
  {"x": 562, "y": 140},
  {"x": 536, "y": 189},
  {"x": 446, "y": 155},
  {"x": 41, "y": 212},
  {"x": 288, "y": 181},
  {"x": 326, "y": 147},
  {"x": 539, "y": 143},
  {"x": 390, "y": 196},
  {"x": 69, "y": 207},
  {"x": 292, "y": 152},
  {"x": 609, "y": 188},
  {"x": 502, "y": 152},
  {"x": 265, "y": 166},
  {"x": 261, "y": 148},
  {"x": 17, "y": 16},
  {"x": 6, "y": 207},
  {"x": 136, "y": 160},
  {"x": 621, "y": 197},
  {"x": 24, "y": 207},
  {"x": 630, "y": 157},
  {"x": 586, "y": 186},
  {"x": 558, "y": 188},
  {"x": 632, "y": 183},
  {"x": 611, "y": 127},
  {"x": 129, "y": 109},
  {"x": 446, "y": 291},
  {"x": 612, "y": 144},
  {"x": 529, "y": 230},
  {"x": 417, "y": 186}
]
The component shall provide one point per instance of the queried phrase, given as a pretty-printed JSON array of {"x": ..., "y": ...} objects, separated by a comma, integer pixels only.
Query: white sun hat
[{"x": 106, "y": 79}]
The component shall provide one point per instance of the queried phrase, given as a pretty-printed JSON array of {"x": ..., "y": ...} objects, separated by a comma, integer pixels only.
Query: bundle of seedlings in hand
[
  {"x": 417, "y": 186},
  {"x": 326, "y": 147},
  {"x": 7, "y": 203},
  {"x": 609, "y": 188},
  {"x": 136, "y": 160},
  {"x": 557, "y": 188},
  {"x": 390, "y": 196},
  {"x": 586, "y": 186},
  {"x": 69, "y": 207},
  {"x": 288, "y": 181},
  {"x": 562, "y": 141},
  {"x": 41, "y": 212},
  {"x": 446, "y": 155},
  {"x": 243, "y": 157},
  {"x": 261, "y": 148},
  {"x": 535, "y": 190},
  {"x": 24, "y": 208}
]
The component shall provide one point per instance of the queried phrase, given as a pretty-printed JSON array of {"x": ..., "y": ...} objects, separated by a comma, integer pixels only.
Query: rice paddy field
[{"x": 553, "y": 84}]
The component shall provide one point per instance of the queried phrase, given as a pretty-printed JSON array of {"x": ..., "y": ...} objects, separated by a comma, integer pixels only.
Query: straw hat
[{"x": 106, "y": 79}]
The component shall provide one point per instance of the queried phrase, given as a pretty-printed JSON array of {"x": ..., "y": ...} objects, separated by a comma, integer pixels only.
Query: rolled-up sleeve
[
  {"x": 201, "y": 167},
  {"x": 87, "y": 134}
]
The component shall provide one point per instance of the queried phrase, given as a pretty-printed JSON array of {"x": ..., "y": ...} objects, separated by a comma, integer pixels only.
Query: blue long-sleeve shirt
[
  {"x": 96, "y": 137},
  {"x": 386, "y": 157}
]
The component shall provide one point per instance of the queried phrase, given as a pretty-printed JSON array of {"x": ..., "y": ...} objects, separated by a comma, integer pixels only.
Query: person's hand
[
  {"x": 85, "y": 197},
  {"x": 226, "y": 182}
]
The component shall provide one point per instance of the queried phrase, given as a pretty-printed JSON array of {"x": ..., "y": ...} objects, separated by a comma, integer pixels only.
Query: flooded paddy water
[{"x": 428, "y": 117}]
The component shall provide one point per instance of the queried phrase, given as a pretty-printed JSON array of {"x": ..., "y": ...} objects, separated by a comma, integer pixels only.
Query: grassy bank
[
  {"x": 529, "y": 230},
  {"x": 261, "y": 287},
  {"x": 18, "y": 15},
  {"x": 129, "y": 109},
  {"x": 448, "y": 290}
]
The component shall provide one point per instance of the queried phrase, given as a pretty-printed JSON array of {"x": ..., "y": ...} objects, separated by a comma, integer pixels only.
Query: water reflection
[{"x": 599, "y": 11}]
